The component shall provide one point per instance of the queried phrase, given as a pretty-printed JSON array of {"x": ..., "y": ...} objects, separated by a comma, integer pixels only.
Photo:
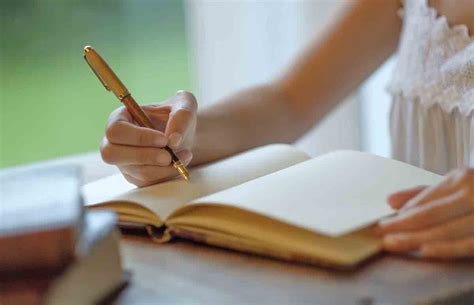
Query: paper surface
[
  {"x": 166, "y": 197},
  {"x": 332, "y": 195}
]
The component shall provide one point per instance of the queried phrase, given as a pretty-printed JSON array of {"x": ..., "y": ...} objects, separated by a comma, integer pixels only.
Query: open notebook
[{"x": 273, "y": 201}]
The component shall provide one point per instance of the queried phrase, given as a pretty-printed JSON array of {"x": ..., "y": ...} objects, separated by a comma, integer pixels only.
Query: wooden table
[{"x": 182, "y": 272}]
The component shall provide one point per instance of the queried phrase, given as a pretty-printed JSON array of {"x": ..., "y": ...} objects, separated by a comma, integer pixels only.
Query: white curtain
[
  {"x": 235, "y": 44},
  {"x": 375, "y": 111}
]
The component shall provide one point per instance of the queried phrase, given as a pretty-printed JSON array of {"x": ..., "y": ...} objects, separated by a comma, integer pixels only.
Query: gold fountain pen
[{"x": 112, "y": 83}]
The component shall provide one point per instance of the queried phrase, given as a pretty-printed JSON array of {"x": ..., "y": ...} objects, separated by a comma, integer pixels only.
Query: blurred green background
[{"x": 51, "y": 104}]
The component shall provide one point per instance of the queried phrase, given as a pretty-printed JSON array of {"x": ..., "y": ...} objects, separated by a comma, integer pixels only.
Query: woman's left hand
[{"x": 437, "y": 221}]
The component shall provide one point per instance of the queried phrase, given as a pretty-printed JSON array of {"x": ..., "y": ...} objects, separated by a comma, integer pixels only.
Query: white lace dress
[{"x": 432, "y": 123}]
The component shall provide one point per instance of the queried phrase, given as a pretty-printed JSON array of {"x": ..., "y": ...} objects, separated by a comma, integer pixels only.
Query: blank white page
[
  {"x": 166, "y": 197},
  {"x": 333, "y": 194}
]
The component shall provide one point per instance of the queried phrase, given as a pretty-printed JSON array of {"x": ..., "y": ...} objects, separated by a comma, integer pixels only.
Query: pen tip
[{"x": 183, "y": 172}]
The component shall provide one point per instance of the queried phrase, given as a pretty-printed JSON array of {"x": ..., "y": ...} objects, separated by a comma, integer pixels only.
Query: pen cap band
[{"x": 105, "y": 74}]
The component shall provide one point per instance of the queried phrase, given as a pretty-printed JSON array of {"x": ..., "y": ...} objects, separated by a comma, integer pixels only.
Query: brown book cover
[
  {"x": 95, "y": 273},
  {"x": 40, "y": 217}
]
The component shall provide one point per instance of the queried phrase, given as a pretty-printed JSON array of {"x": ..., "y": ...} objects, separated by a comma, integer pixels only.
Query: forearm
[
  {"x": 360, "y": 40},
  {"x": 253, "y": 117}
]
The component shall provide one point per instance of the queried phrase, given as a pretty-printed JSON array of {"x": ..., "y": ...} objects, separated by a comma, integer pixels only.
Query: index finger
[{"x": 122, "y": 130}]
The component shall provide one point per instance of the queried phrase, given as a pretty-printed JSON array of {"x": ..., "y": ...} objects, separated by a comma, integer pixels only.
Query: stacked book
[{"x": 51, "y": 251}]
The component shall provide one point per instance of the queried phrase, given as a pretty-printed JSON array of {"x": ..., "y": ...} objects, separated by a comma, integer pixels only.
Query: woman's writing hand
[
  {"x": 437, "y": 221},
  {"x": 138, "y": 151}
]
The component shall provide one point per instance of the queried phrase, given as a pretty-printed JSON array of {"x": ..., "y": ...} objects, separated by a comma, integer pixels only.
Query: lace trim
[
  {"x": 447, "y": 75},
  {"x": 437, "y": 18},
  {"x": 449, "y": 99}
]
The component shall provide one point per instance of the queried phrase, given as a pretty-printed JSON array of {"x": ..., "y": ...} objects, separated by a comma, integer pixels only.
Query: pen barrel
[
  {"x": 143, "y": 120},
  {"x": 174, "y": 158},
  {"x": 105, "y": 74},
  {"x": 137, "y": 112},
  {"x": 112, "y": 83}
]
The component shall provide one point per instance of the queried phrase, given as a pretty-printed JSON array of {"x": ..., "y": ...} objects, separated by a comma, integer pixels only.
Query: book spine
[
  {"x": 43, "y": 249},
  {"x": 160, "y": 235}
]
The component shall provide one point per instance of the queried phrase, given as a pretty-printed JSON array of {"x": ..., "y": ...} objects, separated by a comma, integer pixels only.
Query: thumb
[{"x": 181, "y": 117}]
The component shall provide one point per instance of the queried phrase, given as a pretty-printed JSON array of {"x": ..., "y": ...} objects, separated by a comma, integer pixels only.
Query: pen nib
[{"x": 183, "y": 172}]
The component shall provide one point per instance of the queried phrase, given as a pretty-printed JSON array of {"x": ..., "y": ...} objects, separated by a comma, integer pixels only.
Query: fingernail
[
  {"x": 391, "y": 241},
  {"x": 185, "y": 156},
  {"x": 175, "y": 140},
  {"x": 188, "y": 157},
  {"x": 385, "y": 222},
  {"x": 161, "y": 141},
  {"x": 426, "y": 251},
  {"x": 406, "y": 206},
  {"x": 409, "y": 204}
]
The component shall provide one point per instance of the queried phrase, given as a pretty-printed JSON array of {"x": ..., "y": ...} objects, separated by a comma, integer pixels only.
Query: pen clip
[{"x": 97, "y": 74}]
